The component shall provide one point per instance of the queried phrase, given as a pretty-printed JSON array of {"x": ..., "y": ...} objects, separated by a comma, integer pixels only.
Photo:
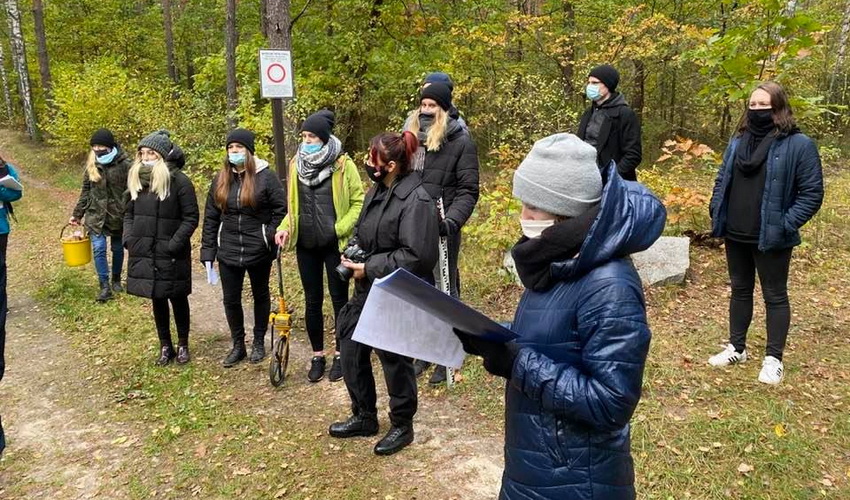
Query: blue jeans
[{"x": 98, "y": 243}]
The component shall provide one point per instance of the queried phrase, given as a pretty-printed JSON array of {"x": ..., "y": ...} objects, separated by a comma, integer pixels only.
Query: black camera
[{"x": 355, "y": 254}]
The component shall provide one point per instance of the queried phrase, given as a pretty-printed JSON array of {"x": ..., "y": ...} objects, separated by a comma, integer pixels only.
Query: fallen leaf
[
  {"x": 745, "y": 468},
  {"x": 176, "y": 430},
  {"x": 119, "y": 440},
  {"x": 779, "y": 430},
  {"x": 748, "y": 449},
  {"x": 280, "y": 493}
]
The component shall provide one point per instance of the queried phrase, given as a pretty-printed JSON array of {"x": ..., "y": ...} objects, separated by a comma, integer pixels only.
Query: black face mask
[
  {"x": 759, "y": 119},
  {"x": 373, "y": 173}
]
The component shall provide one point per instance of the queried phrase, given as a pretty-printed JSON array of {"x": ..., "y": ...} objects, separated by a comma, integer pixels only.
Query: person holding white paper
[
  {"x": 396, "y": 230},
  {"x": 574, "y": 374}
]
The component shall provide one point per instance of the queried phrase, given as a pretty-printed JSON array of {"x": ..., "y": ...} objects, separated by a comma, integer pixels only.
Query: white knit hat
[{"x": 559, "y": 176}]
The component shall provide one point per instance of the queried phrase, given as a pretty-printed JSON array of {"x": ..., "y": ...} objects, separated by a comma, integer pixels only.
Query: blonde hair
[
  {"x": 91, "y": 167},
  {"x": 437, "y": 132},
  {"x": 160, "y": 178}
]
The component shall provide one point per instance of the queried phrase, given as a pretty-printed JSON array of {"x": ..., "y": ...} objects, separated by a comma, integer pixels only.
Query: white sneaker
[
  {"x": 772, "y": 371},
  {"x": 728, "y": 356}
]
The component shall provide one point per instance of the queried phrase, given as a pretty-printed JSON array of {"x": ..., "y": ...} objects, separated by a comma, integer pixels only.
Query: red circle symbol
[{"x": 276, "y": 72}]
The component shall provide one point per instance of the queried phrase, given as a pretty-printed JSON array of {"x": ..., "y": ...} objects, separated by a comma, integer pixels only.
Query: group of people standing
[{"x": 574, "y": 374}]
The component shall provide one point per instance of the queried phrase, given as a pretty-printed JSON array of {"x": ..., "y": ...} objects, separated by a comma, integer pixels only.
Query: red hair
[{"x": 392, "y": 146}]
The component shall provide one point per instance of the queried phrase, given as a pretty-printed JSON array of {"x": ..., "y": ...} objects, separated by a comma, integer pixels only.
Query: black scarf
[
  {"x": 560, "y": 242},
  {"x": 755, "y": 142}
]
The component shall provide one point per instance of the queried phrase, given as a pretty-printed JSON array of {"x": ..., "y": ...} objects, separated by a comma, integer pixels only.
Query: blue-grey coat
[
  {"x": 577, "y": 377},
  {"x": 793, "y": 191}
]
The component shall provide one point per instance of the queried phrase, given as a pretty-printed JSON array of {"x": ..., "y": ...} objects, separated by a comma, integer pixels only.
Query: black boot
[
  {"x": 356, "y": 425},
  {"x": 166, "y": 354},
  {"x": 336, "y": 369},
  {"x": 439, "y": 376},
  {"x": 395, "y": 440},
  {"x": 420, "y": 366},
  {"x": 258, "y": 350},
  {"x": 237, "y": 354},
  {"x": 183, "y": 354},
  {"x": 105, "y": 292},
  {"x": 116, "y": 283},
  {"x": 317, "y": 369}
]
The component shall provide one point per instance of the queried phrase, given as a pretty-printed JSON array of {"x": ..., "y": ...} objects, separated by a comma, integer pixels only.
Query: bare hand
[
  {"x": 73, "y": 221},
  {"x": 359, "y": 269},
  {"x": 281, "y": 238}
]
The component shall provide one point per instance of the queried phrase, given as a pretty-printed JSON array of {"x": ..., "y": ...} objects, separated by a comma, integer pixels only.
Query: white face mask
[
  {"x": 534, "y": 228},
  {"x": 148, "y": 163}
]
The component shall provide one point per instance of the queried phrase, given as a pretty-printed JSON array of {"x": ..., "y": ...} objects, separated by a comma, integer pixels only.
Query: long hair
[
  {"x": 783, "y": 116},
  {"x": 160, "y": 178},
  {"x": 437, "y": 132},
  {"x": 91, "y": 167},
  {"x": 392, "y": 146},
  {"x": 224, "y": 179}
]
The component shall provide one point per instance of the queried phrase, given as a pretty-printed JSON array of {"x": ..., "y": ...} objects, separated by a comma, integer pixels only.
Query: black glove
[
  {"x": 448, "y": 227},
  {"x": 4, "y": 170},
  {"x": 498, "y": 357}
]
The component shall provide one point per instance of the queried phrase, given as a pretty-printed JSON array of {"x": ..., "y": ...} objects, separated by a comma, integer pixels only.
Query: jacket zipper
[{"x": 239, "y": 218}]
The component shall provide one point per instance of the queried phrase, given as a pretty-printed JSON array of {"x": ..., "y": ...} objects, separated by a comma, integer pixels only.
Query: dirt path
[{"x": 66, "y": 441}]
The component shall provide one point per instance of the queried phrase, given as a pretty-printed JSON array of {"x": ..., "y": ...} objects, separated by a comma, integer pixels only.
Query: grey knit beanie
[
  {"x": 559, "y": 176},
  {"x": 159, "y": 141}
]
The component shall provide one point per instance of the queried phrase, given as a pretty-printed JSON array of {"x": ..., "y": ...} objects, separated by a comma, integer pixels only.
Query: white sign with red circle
[{"x": 276, "y": 74}]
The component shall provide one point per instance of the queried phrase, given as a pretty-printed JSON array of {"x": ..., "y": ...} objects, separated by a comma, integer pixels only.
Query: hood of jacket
[
  {"x": 615, "y": 101},
  {"x": 176, "y": 159},
  {"x": 630, "y": 219}
]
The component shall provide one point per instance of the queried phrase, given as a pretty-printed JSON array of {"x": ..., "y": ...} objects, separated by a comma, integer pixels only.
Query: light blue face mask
[
  {"x": 236, "y": 158},
  {"x": 107, "y": 158},
  {"x": 311, "y": 148},
  {"x": 592, "y": 91}
]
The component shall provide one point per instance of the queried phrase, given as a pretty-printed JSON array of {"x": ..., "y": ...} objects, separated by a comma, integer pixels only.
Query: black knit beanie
[
  {"x": 242, "y": 136},
  {"x": 439, "y": 92},
  {"x": 320, "y": 123},
  {"x": 103, "y": 137},
  {"x": 607, "y": 75},
  {"x": 440, "y": 77}
]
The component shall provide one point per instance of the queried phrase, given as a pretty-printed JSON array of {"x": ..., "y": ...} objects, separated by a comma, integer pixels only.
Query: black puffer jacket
[
  {"x": 452, "y": 172},
  {"x": 156, "y": 234},
  {"x": 244, "y": 236},
  {"x": 398, "y": 229},
  {"x": 619, "y": 138}
]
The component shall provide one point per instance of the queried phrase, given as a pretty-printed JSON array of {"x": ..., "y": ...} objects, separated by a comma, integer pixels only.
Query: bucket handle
[{"x": 62, "y": 232}]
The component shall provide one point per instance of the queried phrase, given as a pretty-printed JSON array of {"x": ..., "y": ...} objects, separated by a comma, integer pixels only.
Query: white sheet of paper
[
  {"x": 391, "y": 324},
  {"x": 212, "y": 276},
  {"x": 11, "y": 183}
]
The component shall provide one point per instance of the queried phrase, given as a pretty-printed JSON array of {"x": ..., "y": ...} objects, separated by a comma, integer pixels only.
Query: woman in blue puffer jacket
[
  {"x": 575, "y": 372},
  {"x": 769, "y": 185}
]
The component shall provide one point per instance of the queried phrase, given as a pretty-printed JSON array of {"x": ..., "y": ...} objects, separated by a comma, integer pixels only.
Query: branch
[{"x": 303, "y": 10}]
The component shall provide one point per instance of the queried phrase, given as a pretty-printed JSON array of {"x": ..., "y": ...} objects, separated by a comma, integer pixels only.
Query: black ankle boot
[
  {"x": 395, "y": 440},
  {"x": 116, "y": 283},
  {"x": 258, "y": 351},
  {"x": 183, "y": 354},
  {"x": 419, "y": 367},
  {"x": 105, "y": 292},
  {"x": 166, "y": 354},
  {"x": 439, "y": 376},
  {"x": 356, "y": 425},
  {"x": 237, "y": 354}
]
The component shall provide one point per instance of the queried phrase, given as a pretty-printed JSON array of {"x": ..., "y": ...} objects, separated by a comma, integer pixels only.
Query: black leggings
[
  {"x": 181, "y": 319},
  {"x": 232, "y": 279},
  {"x": 744, "y": 259},
  {"x": 310, "y": 264}
]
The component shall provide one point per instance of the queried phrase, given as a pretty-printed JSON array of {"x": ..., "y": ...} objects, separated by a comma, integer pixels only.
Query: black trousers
[
  {"x": 357, "y": 371},
  {"x": 180, "y": 305},
  {"x": 232, "y": 280},
  {"x": 312, "y": 265},
  {"x": 4, "y": 309},
  {"x": 744, "y": 260}
]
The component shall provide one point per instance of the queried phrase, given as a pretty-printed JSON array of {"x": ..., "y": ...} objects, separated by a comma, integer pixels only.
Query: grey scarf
[
  {"x": 425, "y": 123},
  {"x": 313, "y": 169}
]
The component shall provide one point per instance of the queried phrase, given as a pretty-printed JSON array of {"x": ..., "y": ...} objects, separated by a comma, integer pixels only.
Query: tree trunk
[
  {"x": 264, "y": 15},
  {"x": 5, "y": 82},
  {"x": 567, "y": 66},
  {"x": 640, "y": 84},
  {"x": 843, "y": 39},
  {"x": 279, "y": 26},
  {"x": 356, "y": 122},
  {"x": 230, "y": 59},
  {"x": 19, "y": 59},
  {"x": 41, "y": 41},
  {"x": 169, "y": 40}
]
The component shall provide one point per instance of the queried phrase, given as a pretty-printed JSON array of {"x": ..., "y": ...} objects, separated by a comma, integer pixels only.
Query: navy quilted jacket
[
  {"x": 577, "y": 378},
  {"x": 793, "y": 191}
]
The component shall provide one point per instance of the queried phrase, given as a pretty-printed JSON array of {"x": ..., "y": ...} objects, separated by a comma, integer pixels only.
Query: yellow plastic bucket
[{"x": 76, "y": 252}]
